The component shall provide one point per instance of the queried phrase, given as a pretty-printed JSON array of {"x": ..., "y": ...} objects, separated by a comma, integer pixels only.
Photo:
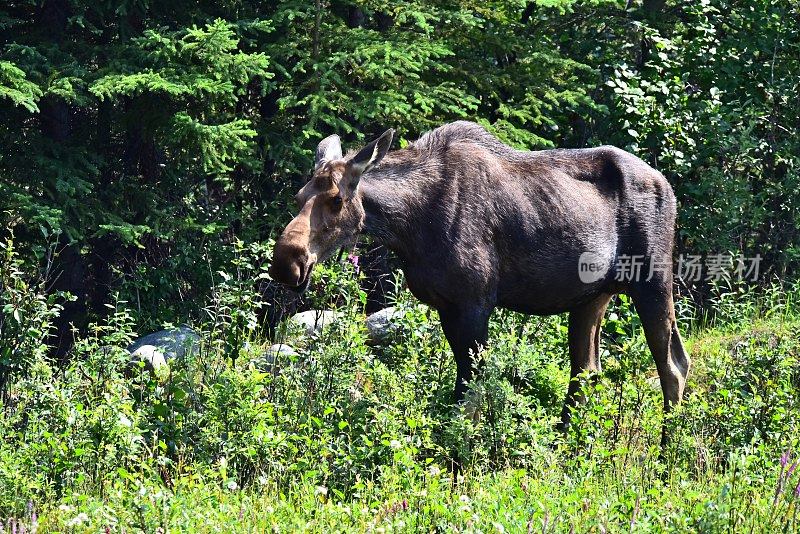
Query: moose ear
[
  {"x": 328, "y": 149},
  {"x": 372, "y": 154},
  {"x": 367, "y": 157}
]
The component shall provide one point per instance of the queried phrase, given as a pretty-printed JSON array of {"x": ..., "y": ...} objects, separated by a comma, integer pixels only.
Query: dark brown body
[{"x": 477, "y": 224}]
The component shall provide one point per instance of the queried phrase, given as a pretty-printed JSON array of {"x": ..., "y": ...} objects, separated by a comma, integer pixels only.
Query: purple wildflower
[
  {"x": 797, "y": 490},
  {"x": 353, "y": 259},
  {"x": 32, "y": 514},
  {"x": 785, "y": 457},
  {"x": 791, "y": 469}
]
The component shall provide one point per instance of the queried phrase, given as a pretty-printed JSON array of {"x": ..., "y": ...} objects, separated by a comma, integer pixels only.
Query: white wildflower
[{"x": 78, "y": 520}]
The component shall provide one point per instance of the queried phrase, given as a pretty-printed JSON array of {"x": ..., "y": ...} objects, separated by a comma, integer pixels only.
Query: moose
[{"x": 477, "y": 224}]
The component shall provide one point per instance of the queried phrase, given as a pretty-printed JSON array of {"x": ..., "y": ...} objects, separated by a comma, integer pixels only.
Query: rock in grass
[
  {"x": 152, "y": 357},
  {"x": 277, "y": 353},
  {"x": 280, "y": 349},
  {"x": 382, "y": 324},
  {"x": 313, "y": 321},
  {"x": 174, "y": 343}
]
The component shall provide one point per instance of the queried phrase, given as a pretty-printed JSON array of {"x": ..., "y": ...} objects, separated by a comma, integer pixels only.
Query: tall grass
[{"x": 349, "y": 436}]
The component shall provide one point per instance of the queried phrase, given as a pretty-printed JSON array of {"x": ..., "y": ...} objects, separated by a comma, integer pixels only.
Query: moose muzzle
[{"x": 291, "y": 265}]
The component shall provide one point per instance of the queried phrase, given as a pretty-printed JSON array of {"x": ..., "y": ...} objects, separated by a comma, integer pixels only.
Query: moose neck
[{"x": 391, "y": 195}]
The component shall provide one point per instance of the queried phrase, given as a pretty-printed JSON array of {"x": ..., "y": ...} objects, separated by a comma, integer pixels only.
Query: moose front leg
[{"x": 466, "y": 329}]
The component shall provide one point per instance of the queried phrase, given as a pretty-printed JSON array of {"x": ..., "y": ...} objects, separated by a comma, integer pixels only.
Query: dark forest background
[{"x": 144, "y": 144}]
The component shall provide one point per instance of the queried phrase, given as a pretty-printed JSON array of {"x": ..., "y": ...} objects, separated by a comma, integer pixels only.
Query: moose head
[{"x": 331, "y": 214}]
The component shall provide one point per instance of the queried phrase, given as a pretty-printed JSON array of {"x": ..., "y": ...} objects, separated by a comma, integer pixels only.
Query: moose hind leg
[
  {"x": 584, "y": 349},
  {"x": 656, "y": 310}
]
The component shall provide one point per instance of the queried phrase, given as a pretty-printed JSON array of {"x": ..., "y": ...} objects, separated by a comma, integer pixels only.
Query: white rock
[
  {"x": 174, "y": 343},
  {"x": 275, "y": 353},
  {"x": 153, "y": 358},
  {"x": 383, "y": 323},
  {"x": 280, "y": 349},
  {"x": 313, "y": 321}
]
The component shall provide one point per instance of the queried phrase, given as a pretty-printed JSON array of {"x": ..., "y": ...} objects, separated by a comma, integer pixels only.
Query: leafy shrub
[
  {"x": 346, "y": 424},
  {"x": 25, "y": 317}
]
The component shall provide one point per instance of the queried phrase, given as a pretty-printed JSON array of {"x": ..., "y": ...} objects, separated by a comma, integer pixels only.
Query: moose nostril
[
  {"x": 289, "y": 263},
  {"x": 296, "y": 270},
  {"x": 301, "y": 272}
]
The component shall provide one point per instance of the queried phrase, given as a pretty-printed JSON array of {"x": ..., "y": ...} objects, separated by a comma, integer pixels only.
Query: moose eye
[{"x": 336, "y": 202}]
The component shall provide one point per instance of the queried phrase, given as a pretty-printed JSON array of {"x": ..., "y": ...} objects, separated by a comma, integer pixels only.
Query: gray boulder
[
  {"x": 158, "y": 348},
  {"x": 280, "y": 349},
  {"x": 382, "y": 324},
  {"x": 275, "y": 353},
  {"x": 152, "y": 357},
  {"x": 313, "y": 321}
]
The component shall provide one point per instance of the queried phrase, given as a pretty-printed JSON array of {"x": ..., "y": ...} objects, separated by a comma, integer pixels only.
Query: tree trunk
[{"x": 70, "y": 276}]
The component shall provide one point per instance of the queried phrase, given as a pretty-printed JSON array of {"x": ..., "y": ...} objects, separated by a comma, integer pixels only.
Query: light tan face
[
  {"x": 331, "y": 214},
  {"x": 330, "y": 217}
]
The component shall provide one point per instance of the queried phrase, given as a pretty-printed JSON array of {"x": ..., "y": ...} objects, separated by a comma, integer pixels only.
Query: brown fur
[{"x": 477, "y": 224}]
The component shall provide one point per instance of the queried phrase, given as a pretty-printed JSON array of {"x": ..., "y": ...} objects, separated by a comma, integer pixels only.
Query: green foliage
[
  {"x": 353, "y": 436},
  {"x": 16, "y": 88},
  {"x": 151, "y": 131},
  {"x": 26, "y": 313},
  {"x": 709, "y": 105},
  {"x": 232, "y": 313},
  {"x": 199, "y": 70},
  {"x": 148, "y": 153}
]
